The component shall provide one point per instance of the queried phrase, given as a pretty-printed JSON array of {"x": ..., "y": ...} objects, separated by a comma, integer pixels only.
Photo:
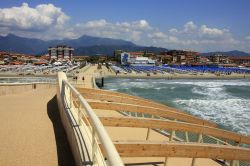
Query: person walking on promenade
[{"x": 83, "y": 79}]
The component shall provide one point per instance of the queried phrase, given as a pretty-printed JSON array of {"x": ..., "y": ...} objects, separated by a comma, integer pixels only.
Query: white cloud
[
  {"x": 46, "y": 21},
  {"x": 120, "y": 30},
  {"x": 157, "y": 35},
  {"x": 96, "y": 24},
  {"x": 247, "y": 38},
  {"x": 135, "y": 35},
  {"x": 212, "y": 32},
  {"x": 173, "y": 31},
  {"x": 141, "y": 24},
  {"x": 26, "y": 18},
  {"x": 189, "y": 26},
  {"x": 197, "y": 37}
]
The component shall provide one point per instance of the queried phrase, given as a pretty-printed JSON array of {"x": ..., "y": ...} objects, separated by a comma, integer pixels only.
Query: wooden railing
[{"x": 196, "y": 138}]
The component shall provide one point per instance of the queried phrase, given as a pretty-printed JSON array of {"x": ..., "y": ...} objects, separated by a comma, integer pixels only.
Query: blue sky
[{"x": 201, "y": 25}]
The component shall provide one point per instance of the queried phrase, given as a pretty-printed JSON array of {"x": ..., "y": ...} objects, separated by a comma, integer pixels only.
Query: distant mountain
[
  {"x": 228, "y": 53},
  {"x": 18, "y": 44},
  {"x": 86, "y": 41},
  {"x": 109, "y": 49},
  {"x": 85, "y": 44}
]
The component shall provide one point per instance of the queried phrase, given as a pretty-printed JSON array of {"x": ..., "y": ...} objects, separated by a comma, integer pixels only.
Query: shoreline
[
  {"x": 142, "y": 76},
  {"x": 177, "y": 76}
]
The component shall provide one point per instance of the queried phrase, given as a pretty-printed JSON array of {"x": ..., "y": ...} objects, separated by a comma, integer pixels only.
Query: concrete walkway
[
  {"x": 31, "y": 132},
  {"x": 88, "y": 74}
]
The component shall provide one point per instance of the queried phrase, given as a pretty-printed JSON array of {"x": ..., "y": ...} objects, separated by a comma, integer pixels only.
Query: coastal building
[
  {"x": 13, "y": 58},
  {"x": 80, "y": 58},
  {"x": 103, "y": 58},
  {"x": 141, "y": 61},
  {"x": 219, "y": 59},
  {"x": 239, "y": 60},
  {"x": 61, "y": 52},
  {"x": 179, "y": 57},
  {"x": 124, "y": 57},
  {"x": 128, "y": 59},
  {"x": 117, "y": 55},
  {"x": 134, "y": 54},
  {"x": 164, "y": 58},
  {"x": 192, "y": 57},
  {"x": 204, "y": 60}
]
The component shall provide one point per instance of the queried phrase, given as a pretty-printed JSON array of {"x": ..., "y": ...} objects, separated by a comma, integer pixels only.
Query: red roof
[
  {"x": 239, "y": 57},
  {"x": 136, "y": 53},
  {"x": 16, "y": 63},
  {"x": 39, "y": 63}
]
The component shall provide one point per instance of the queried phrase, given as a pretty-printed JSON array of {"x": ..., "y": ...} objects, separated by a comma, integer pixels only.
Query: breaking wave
[{"x": 226, "y": 102}]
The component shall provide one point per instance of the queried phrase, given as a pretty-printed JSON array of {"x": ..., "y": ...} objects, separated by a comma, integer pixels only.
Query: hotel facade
[{"x": 61, "y": 52}]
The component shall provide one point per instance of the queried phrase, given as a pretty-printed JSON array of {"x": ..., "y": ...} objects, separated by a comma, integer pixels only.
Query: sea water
[{"x": 226, "y": 102}]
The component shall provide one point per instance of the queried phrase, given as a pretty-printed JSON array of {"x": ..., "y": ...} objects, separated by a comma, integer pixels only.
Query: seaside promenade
[
  {"x": 35, "y": 131},
  {"x": 31, "y": 132}
]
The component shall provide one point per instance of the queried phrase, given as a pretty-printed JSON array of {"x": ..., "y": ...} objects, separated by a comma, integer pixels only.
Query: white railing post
[
  {"x": 79, "y": 114},
  {"x": 98, "y": 130},
  {"x": 94, "y": 146},
  {"x": 186, "y": 136},
  {"x": 70, "y": 99}
]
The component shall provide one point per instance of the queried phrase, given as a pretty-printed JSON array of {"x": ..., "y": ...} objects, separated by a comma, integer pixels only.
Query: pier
[{"x": 75, "y": 123}]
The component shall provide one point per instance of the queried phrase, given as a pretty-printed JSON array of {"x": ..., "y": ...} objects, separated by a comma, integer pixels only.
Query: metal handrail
[{"x": 108, "y": 146}]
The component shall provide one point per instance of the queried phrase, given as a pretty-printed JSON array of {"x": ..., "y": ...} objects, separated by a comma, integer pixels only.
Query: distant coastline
[
  {"x": 107, "y": 73},
  {"x": 179, "y": 76}
]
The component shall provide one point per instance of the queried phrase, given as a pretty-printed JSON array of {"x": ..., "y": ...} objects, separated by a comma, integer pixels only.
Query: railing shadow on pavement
[{"x": 64, "y": 154}]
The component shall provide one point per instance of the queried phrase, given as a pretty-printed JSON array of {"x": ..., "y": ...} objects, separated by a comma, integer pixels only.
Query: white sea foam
[
  {"x": 233, "y": 113},
  {"x": 208, "y": 83},
  {"x": 208, "y": 92},
  {"x": 209, "y": 99},
  {"x": 113, "y": 89},
  {"x": 219, "y": 106}
]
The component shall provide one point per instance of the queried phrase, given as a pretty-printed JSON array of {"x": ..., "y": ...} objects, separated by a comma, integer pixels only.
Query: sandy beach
[
  {"x": 109, "y": 73},
  {"x": 177, "y": 76},
  {"x": 104, "y": 72}
]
